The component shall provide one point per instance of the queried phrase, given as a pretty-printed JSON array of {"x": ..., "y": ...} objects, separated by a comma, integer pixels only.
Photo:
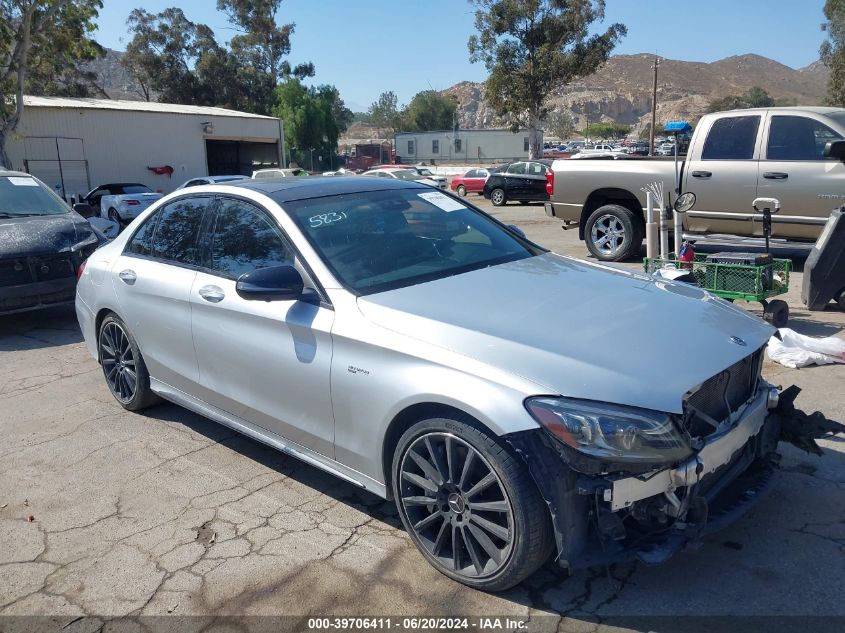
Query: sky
[{"x": 366, "y": 48}]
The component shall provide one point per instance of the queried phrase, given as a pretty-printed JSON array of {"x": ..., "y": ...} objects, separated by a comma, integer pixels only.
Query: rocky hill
[
  {"x": 113, "y": 77},
  {"x": 621, "y": 90}
]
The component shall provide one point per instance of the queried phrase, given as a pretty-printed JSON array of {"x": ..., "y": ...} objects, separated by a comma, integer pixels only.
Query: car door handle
[
  {"x": 775, "y": 175},
  {"x": 213, "y": 294},
  {"x": 702, "y": 174},
  {"x": 127, "y": 276}
]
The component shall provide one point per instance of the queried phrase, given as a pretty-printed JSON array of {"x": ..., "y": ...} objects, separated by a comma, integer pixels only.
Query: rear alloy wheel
[
  {"x": 497, "y": 197},
  {"x": 123, "y": 366},
  {"x": 613, "y": 233},
  {"x": 462, "y": 191},
  {"x": 469, "y": 505}
]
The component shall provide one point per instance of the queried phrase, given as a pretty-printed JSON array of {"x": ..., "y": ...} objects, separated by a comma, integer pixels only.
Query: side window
[
  {"x": 177, "y": 233},
  {"x": 458, "y": 145},
  {"x": 142, "y": 242},
  {"x": 410, "y": 147},
  {"x": 435, "y": 146},
  {"x": 245, "y": 239},
  {"x": 517, "y": 168},
  {"x": 472, "y": 173},
  {"x": 798, "y": 138},
  {"x": 536, "y": 169},
  {"x": 731, "y": 138},
  {"x": 525, "y": 144}
]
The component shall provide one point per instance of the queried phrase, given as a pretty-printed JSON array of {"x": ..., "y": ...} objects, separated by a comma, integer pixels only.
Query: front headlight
[{"x": 607, "y": 431}]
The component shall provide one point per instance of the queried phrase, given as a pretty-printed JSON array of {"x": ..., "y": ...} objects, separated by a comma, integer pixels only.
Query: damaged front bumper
[{"x": 604, "y": 518}]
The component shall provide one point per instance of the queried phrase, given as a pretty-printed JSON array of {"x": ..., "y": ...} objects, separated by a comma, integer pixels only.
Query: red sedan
[{"x": 471, "y": 181}]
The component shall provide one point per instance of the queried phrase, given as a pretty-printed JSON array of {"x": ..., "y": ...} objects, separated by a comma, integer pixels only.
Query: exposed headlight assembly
[{"x": 611, "y": 432}]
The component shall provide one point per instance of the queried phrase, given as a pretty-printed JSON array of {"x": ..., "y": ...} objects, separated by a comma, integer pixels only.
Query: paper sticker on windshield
[
  {"x": 439, "y": 200},
  {"x": 19, "y": 181}
]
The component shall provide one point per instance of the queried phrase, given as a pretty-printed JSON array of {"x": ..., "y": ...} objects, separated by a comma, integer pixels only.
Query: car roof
[
  {"x": 289, "y": 189},
  {"x": 121, "y": 184},
  {"x": 6, "y": 172}
]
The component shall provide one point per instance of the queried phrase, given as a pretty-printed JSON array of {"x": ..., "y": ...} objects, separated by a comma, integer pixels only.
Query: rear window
[
  {"x": 732, "y": 138},
  {"x": 22, "y": 195}
]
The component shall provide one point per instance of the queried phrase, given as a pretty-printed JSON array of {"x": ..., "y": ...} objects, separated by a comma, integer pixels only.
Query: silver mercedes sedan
[{"x": 515, "y": 403}]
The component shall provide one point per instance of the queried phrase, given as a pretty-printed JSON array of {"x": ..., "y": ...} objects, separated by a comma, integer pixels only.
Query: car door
[
  {"x": 535, "y": 182},
  {"x": 723, "y": 176},
  {"x": 152, "y": 279},
  {"x": 795, "y": 171},
  {"x": 515, "y": 181},
  {"x": 478, "y": 180},
  {"x": 267, "y": 362}
]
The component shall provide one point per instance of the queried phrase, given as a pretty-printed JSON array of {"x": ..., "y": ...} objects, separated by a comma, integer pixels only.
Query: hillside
[{"x": 621, "y": 90}]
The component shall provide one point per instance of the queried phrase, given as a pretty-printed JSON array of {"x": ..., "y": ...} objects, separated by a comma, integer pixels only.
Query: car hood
[
  {"x": 578, "y": 329},
  {"x": 44, "y": 234}
]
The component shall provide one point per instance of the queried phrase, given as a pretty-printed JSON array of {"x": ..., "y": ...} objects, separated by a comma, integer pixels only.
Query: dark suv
[{"x": 523, "y": 181}]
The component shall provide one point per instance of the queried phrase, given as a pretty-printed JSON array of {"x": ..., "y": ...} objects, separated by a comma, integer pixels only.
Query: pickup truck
[{"x": 791, "y": 154}]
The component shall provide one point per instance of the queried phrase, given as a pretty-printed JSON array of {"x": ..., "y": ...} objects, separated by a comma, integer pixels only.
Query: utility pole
[{"x": 653, "y": 108}]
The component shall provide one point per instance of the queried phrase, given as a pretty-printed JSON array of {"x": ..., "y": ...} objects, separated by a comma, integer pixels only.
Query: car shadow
[
  {"x": 37, "y": 329},
  {"x": 274, "y": 459}
]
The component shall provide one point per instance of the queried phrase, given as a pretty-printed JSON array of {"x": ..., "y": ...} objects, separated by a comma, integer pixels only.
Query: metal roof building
[
  {"x": 484, "y": 146},
  {"x": 74, "y": 145}
]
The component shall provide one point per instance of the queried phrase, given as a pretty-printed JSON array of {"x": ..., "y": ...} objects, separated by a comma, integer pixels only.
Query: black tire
[
  {"x": 114, "y": 216},
  {"x": 109, "y": 344},
  {"x": 498, "y": 197},
  {"x": 528, "y": 539},
  {"x": 461, "y": 191},
  {"x": 776, "y": 312},
  {"x": 614, "y": 233}
]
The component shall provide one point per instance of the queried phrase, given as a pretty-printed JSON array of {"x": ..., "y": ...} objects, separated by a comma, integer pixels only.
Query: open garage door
[{"x": 239, "y": 157}]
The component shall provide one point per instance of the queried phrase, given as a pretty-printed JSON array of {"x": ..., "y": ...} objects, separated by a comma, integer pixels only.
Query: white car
[
  {"x": 278, "y": 173},
  {"x": 425, "y": 172},
  {"x": 402, "y": 173},
  {"x": 122, "y": 202},
  {"x": 210, "y": 180}
]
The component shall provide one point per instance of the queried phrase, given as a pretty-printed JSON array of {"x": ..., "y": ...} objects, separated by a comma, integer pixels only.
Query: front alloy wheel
[
  {"x": 469, "y": 504},
  {"x": 497, "y": 197},
  {"x": 457, "y": 505}
]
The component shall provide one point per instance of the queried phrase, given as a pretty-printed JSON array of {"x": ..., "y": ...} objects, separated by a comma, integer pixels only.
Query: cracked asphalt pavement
[{"x": 106, "y": 513}]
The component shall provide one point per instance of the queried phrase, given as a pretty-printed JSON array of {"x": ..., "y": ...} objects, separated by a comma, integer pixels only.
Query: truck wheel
[
  {"x": 469, "y": 505},
  {"x": 497, "y": 197},
  {"x": 613, "y": 233},
  {"x": 776, "y": 312}
]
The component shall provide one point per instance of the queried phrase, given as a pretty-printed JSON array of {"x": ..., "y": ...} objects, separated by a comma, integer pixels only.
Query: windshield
[
  {"x": 22, "y": 195},
  {"x": 424, "y": 172},
  {"x": 382, "y": 240},
  {"x": 406, "y": 174}
]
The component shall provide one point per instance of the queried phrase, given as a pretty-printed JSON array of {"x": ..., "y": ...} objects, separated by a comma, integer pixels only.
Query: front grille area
[
  {"x": 722, "y": 394},
  {"x": 24, "y": 270}
]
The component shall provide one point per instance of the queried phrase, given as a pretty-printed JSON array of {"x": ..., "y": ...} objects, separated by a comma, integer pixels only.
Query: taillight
[
  {"x": 550, "y": 182},
  {"x": 80, "y": 269},
  {"x": 133, "y": 203}
]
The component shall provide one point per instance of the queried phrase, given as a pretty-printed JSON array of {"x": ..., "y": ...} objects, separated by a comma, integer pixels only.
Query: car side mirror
[
  {"x": 275, "y": 283},
  {"x": 684, "y": 202},
  {"x": 517, "y": 230},
  {"x": 835, "y": 149},
  {"x": 84, "y": 209}
]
